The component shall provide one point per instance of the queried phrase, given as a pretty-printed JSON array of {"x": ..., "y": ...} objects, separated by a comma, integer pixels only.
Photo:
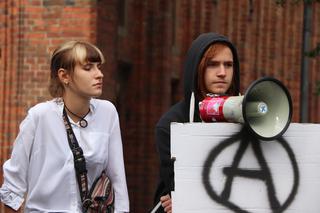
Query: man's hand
[
  {"x": 7, "y": 209},
  {"x": 166, "y": 203}
]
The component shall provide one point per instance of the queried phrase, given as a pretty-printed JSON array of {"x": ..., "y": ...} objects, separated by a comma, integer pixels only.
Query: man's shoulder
[{"x": 177, "y": 113}]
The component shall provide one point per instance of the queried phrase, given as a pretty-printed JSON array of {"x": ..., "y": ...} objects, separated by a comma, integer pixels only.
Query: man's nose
[{"x": 222, "y": 71}]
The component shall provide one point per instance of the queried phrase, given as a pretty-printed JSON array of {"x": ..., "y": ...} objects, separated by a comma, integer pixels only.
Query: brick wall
[
  {"x": 29, "y": 31},
  {"x": 145, "y": 43},
  {"x": 153, "y": 41},
  {"x": 9, "y": 63}
]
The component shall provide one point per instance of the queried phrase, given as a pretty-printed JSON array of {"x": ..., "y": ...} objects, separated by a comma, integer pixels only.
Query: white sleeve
[
  {"x": 115, "y": 168},
  {"x": 15, "y": 169}
]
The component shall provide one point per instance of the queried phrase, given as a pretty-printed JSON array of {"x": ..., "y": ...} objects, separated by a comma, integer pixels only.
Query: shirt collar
[{"x": 60, "y": 104}]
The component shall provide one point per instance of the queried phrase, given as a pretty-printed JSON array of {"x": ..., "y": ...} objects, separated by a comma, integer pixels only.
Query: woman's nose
[{"x": 99, "y": 73}]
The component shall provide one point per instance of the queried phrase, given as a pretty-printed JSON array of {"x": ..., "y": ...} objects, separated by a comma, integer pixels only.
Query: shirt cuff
[
  {"x": 10, "y": 198},
  {"x": 115, "y": 211}
]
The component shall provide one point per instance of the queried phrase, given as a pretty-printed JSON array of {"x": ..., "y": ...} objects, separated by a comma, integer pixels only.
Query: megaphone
[{"x": 265, "y": 109}]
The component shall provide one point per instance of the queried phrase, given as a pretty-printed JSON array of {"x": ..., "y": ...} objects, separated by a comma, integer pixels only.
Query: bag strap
[{"x": 79, "y": 163}]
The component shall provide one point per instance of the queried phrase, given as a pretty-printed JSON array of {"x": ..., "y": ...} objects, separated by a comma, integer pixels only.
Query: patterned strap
[{"x": 79, "y": 162}]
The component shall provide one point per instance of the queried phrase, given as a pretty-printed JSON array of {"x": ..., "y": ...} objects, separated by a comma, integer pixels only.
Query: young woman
[
  {"x": 211, "y": 66},
  {"x": 41, "y": 172}
]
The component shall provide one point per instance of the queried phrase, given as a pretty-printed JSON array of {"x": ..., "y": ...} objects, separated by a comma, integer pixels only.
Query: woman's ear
[{"x": 64, "y": 76}]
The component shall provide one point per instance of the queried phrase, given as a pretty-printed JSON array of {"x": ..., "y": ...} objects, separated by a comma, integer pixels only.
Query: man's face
[{"x": 219, "y": 72}]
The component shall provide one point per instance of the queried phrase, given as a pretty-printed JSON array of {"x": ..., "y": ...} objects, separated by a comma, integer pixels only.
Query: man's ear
[{"x": 64, "y": 76}]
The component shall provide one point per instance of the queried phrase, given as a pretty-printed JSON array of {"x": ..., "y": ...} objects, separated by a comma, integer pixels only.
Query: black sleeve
[{"x": 166, "y": 184}]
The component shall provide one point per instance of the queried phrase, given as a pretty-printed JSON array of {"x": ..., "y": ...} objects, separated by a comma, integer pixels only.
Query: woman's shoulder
[
  {"x": 45, "y": 107},
  {"x": 100, "y": 104}
]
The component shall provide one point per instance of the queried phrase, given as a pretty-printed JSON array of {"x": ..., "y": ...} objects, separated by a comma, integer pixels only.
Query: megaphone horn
[{"x": 265, "y": 109}]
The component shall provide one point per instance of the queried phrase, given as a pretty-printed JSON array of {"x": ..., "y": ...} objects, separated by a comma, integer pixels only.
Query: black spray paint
[{"x": 263, "y": 174}]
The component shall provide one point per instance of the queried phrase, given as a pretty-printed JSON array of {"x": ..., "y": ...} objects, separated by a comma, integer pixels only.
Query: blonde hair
[
  {"x": 66, "y": 57},
  {"x": 210, "y": 53}
]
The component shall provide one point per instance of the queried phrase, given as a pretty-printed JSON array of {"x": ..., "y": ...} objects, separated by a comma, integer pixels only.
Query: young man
[{"x": 211, "y": 66}]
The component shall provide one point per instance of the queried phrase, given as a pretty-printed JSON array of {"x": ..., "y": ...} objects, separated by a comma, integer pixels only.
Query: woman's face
[
  {"x": 219, "y": 72},
  {"x": 87, "y": 80}
]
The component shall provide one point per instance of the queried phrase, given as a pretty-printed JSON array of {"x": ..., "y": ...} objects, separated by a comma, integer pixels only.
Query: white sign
[{"x": 220, "y": 168}]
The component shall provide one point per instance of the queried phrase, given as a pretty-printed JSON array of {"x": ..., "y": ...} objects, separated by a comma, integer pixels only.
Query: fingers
[{"x": 166, "y": 203}]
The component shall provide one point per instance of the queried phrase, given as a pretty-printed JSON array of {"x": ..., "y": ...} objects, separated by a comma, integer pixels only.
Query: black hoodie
[{"x": 180, "y": 111}]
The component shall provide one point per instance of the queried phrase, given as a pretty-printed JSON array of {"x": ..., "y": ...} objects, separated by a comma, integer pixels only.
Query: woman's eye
[{"x": 87, "y": 67}]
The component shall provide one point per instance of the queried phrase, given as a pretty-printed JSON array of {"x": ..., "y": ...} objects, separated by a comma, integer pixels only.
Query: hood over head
[{"x": 194, "y": 55}]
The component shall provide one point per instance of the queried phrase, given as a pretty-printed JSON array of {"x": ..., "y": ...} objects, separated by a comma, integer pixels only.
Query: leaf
[
  {"x": 313, "y": 53},
  {"x": 318, "y": 88}
]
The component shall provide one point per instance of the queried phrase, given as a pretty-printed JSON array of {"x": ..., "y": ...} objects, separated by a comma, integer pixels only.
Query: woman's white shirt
[{"x": 41, "y": 168}]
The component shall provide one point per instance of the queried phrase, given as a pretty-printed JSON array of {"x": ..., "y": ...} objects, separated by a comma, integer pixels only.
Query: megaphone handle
[{"x": 156, "y": 207}]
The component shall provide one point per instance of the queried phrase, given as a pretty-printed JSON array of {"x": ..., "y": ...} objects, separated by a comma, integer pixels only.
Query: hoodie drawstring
[{"x": 191, "y": 111}]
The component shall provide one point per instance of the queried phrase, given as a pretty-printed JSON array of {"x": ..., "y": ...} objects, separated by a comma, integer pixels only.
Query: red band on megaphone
[{"x": 211, "y": 109}]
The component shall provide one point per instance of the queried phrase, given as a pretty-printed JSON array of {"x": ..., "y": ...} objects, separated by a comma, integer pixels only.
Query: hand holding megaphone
[{"x": 266, "y": 108}]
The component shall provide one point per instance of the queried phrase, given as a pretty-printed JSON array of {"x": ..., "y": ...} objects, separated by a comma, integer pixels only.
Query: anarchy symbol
[{"x": 262, "y": 174}]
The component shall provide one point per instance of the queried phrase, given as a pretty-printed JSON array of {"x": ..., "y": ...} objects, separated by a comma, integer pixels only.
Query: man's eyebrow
[{"x": 213, "y": 60}]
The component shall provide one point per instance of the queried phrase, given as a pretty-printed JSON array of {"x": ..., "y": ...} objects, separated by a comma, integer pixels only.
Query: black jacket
[{"x": 180, "y": 111}]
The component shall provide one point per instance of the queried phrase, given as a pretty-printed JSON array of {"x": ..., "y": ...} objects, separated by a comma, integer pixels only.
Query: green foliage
[
  {"x": 283, "y": 2},
  {"x": 314, "y": 53},
  {"x": 318, "y": 88}
]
